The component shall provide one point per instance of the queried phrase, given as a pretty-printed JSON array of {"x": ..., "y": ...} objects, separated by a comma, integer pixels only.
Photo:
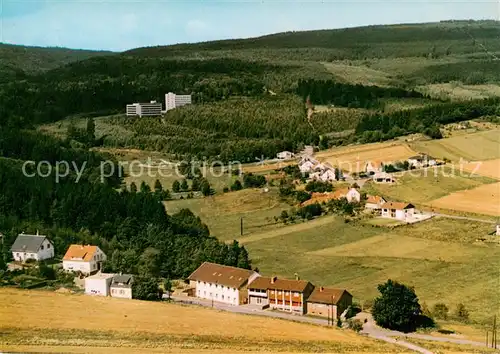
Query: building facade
[
  {"x": 374, "y": 202},
  {"x": 121, "y": 286},
  {"x": 85, "y": 259},
  {"x": 173, "y": 101},
  {"x": 285, "y": 155},
  {"x": 398, "y": 211},
  {"x": 280, "y": 294},
  {"x": 328, "y": 302},
  {"x": 36, "y": 247},
  {"x": 151, "y": 109},
  {"x": 221, "y": 283},
  {"x": 98, "y": 284}
]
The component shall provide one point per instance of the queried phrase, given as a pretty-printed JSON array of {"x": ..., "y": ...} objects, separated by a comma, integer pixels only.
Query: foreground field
[
  {"x": 470, "y": 147},
  {"x": 439, "y": 257},
  {"x": 39, "y": 318},
  {"x": 480, "y": 200}
]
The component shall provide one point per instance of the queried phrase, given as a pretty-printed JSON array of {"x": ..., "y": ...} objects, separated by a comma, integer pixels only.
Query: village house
[
  {"x": 36, "y": 247},
  {"x": 222, "y": 283},
  {"x": 382, "y": 177},
  {"x": 372, "y": 167},
  {"x": 398, "y": 211},
  {"x": 121, "y": 286},
  {"x": 285, "y": 155},
  {"x": 326, "y": 175},
  {"x": 85, "y": 259},
  {"x": 328, "y": 302},
  {"x": 351, "y": 194},
  {"x": 98, "y": 284},
  {"x": 280, "y": 294},
  {"x": 307, "y": 164},
  {"x": 374, "y": 202},
  {"x": 421, "y": 161}
]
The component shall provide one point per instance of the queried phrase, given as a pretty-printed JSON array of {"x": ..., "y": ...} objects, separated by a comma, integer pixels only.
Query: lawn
[
  {"x": 439, "y": 257},
  {"x": 41, "y": 319},
  {"x": 478, "y": 146},
  {"x": 222, "y": 213},
  {"x": 420, "y": 186}
]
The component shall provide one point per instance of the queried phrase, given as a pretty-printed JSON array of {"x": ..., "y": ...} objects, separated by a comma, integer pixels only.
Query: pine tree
[
  {"x": 90, "y": 131},
  {"x": 243, "y": 261},
  {"x": 205, "y": 188},
  {"x": 184, "y": 185},
  {"x": 196, "y": 185},
  {"x": 158, "y": 188},
  {"x": 176, "y": 186},
  {"x": 145, "y": 188},
  {"x": 133, "y": 187}
]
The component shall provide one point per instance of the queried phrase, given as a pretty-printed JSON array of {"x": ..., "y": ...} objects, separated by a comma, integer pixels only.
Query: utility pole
[
  {"x": 487, "y": 339},
  {"x": 241, "y": 226},
  {"x": 333, "y": 324},
  {"x": 494, "y": 334}
]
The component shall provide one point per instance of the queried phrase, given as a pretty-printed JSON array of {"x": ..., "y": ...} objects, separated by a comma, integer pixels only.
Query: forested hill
[
  {"x": 458, "y": 37},
  {"x": 17, "y": 61}
]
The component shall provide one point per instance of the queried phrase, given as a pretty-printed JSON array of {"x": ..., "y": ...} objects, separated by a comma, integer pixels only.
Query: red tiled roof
[
  {"x": 80, "y": 253},
  {"x": 265, "y": 283},
  {"x": 221, "y": 274},
  {"x": 326, "y": 295}
]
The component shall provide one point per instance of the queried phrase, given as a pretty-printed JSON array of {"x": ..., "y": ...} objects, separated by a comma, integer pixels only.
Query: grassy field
[
  {"x": 460, "y": 92},
  {"x": 482, "y": 200},
  {"x": 489, "y": 168},
  {"x": 471, "y": 147},
  {"x": 420, "y": 186},
  {"x": 450, "y": 348},
  {"x": 359, "y": 74},
  {"x": 222, "y": 213},
  {"x": 354, "y": 158},
  {"x": 40, "y": 319},
  {"x": 439, "y": 257}
]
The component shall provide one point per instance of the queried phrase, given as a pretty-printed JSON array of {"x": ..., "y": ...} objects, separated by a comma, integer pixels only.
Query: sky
[{"x": 121, "y": 25}]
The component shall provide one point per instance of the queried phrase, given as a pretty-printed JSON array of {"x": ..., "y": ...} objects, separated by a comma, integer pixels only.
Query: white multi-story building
[
  {"x": 144, "y": 109},
  {"x": 35, "y": 247},
  {"x": 398, "y": 211},
  {"x": 222, "y": 283},
  {"x": 173, "y": 101},
  {"x": 85, "y": 259}
]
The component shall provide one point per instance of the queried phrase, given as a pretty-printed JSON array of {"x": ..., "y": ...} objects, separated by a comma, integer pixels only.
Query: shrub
[
  {"x": 355, "y": 324},
  {"x": 461, "y": 313},
  {"x": 440, "y": 311},
  {"x": 225, "y": 190}
]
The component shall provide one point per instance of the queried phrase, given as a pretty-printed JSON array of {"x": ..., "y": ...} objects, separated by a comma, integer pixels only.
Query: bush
[
  {"x": 440, "y": 311},
  {"x": 461, "y": 313},
  {"x": 236, "y": 186},
  {"x": 46, "y": 272},
  {"x": 225, "y": 190},
  {"x": 146, "y": 289},
  {"x": 319, "y": 187},
  {"x": 355, "y": 324},
  {"x": 352, "y": 311},
  {"x": 302, "y": 196}
]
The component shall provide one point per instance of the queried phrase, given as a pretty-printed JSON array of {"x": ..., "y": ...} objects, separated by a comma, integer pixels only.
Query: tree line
[{"x": 326, "y": 92}]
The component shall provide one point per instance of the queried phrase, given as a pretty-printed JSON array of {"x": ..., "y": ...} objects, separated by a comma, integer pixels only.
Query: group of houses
[
  {"x": 237, "y": 286},
  {"x": 319, "y": 171}
]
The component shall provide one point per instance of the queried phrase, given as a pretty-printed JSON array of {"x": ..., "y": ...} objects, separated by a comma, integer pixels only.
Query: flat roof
[{"x": 101, "y": 276}]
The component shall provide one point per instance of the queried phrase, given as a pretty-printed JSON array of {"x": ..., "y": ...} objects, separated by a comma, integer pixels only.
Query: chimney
[
  {"x": 273, "y": 279},
  {"x": 297, "y": 276},
  {"x": 321, "y": 289}
]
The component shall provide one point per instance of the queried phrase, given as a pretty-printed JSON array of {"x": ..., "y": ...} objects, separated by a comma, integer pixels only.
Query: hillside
[
  {"x": 95, "y": 322},
  {"x": 19, "y": 60}
]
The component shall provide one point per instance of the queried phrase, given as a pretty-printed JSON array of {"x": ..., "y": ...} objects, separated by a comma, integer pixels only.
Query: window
[
  {"x": 41, "y": 247},
  {"x": 216, "y": 296},
  {"x": 210, "y": 294},
  {"x": 204, "y": 293},
  {"x": 48, "y": 245},
  {"x": 122, "y": 292},
  {"x": 222, "y": 297}
]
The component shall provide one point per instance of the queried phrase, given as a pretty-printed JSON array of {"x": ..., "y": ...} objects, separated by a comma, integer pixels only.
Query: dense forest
[
  {"x": 376, "y": 127},
  {"x": 82, "y": 209},
  {"x": 329, "y": 92}
]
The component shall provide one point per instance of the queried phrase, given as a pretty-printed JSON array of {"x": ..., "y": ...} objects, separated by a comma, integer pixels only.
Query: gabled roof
[
  {"x": 224, "y": 275},
  {"x": 28, "y": 243},
  {"x": 80, "y": 253},
  {"x": 397, "y": 205},
  {"x": 375, "y": 199},
  {"x": 122, "y": 281},
  {"x": 327, "y": 295},
  {"x": 265, "y": 283}
]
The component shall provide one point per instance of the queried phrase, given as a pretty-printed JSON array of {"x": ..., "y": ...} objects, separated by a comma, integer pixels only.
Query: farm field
[
  {"x": 481, "y": 200},
  {"x": 222, "y": 213},
  {"x": 50, "y": 319},
  {"x": 420, "y": 186},
  {"x": 478, "y": 146},
  {"x": 439, "y": 257},
  {"x": 353, "y": 158},
  {"x": 489, "y": 168}
]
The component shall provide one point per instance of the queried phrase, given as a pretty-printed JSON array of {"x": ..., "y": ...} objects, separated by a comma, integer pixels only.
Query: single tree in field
[
  {"x": 158, "y": 188},
  {"x": 461, "y": 313},
  {"x": 397, "y": 307},
  {"x": 133, "y": 187},
  {"x": 176, "y": 186},
  {"x": 184, "y": 185},
  {"x": 167, "y": 286},
  {"x": 440, "y": 311},
  {"x": 205, "y": 188}
]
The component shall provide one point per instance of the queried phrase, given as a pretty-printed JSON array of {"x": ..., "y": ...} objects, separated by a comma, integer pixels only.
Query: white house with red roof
[{"x": 85, "y": 259}]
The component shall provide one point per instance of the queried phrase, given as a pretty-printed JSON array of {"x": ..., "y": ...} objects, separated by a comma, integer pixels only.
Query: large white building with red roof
[{"x": 85, "y": 259}]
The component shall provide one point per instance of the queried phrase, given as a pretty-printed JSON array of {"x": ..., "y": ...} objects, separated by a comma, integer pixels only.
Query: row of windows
[
  {"x": 48, "y": 246},
  {"x": 228, "y": 298},
  {"x": 217, "y": 285},
  {"x": 116, "y": 291},
  {"x": 287, "y": 293}
]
